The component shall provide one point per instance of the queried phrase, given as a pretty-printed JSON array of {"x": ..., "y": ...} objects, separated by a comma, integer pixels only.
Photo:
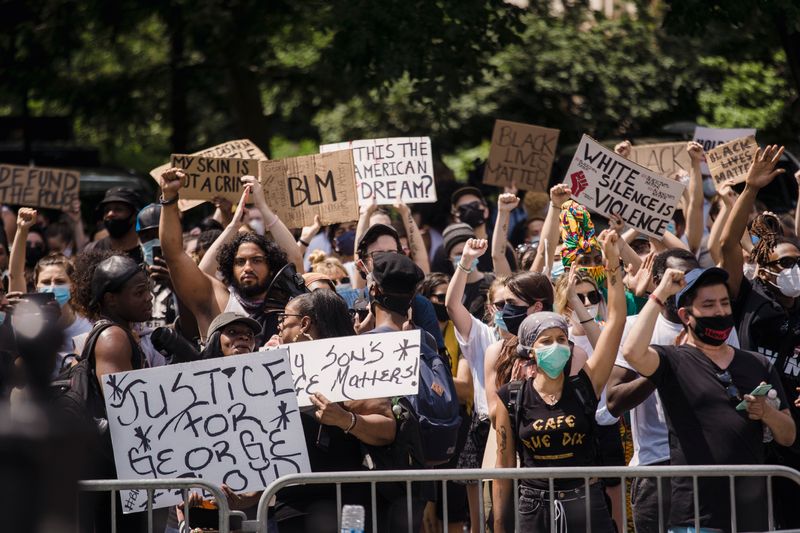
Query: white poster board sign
[
  {"x": 711, "y": 137},
  {"x": 231, "y": 420},
  {"x": 391, "y": 170},
  {"x": 360, "y": 367},
  {"x": 608, "y": 183}
]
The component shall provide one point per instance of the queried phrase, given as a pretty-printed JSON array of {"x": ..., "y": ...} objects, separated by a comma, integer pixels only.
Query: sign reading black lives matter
[
  {"x": 608, "y": 183},
  {"x": 522, "y": 155},
  {"x": 399, "y": 169},
  {"x": 232, "y": 420},
  {"x": 210, "y": 177},
  {"x": 356, "y": 368}
]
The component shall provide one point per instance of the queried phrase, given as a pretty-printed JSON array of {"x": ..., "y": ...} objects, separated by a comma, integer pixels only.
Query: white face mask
[
  {"x": 749, "y": 270},
  {"x": 592, "y": 310},
  {"x": 788, "y": 281}
]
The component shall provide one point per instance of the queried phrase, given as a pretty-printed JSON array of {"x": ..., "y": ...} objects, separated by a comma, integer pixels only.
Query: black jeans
[
  {"x": 644, "y": 499},
  {"x": 569, "y": 507}
]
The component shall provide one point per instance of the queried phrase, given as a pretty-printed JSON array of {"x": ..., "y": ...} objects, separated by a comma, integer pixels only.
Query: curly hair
[
  {"x": 276, "y": 258},
  {"x": 330, "y": 266},
  {"x": 85, "y": 264}
]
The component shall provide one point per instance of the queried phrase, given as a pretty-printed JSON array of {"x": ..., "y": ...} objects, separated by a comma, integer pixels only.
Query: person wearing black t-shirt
[
  {"x": 554, "y": 418},
  {"x": 767, "y": 309},
  {"x": 703, "y": 387}
]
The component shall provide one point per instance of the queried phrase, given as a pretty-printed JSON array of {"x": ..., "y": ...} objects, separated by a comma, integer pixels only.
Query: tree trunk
[
  {"x": 178, "y": 109},
  {"x": 248, "y": 111}
]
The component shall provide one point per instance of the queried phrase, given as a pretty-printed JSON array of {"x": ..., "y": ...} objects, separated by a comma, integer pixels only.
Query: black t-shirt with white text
[{"x": 706, "y": 429}]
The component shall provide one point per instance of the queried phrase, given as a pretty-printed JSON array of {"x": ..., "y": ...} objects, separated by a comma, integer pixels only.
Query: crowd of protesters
[{"x": 571, "y": 339}]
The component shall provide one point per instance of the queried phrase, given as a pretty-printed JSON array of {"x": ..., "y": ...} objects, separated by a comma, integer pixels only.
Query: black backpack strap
[
  {"x": 588, "y": 399},
  {"x": 516, "y": 389},
  {"x": 137, "y": 357}
]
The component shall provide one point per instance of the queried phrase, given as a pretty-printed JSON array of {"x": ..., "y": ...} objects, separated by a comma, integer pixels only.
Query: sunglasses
[
  {"x": 726, "y": 379},
  {"x": 785, "y": 262},
  {"x": 590, "y": 298}
]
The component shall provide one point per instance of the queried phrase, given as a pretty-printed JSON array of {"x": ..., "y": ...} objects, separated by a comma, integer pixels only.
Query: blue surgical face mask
[
  {"x": 499, "y": 322},
  {"x": 552, "y": 359},
  {"x": 147, "y": 250},
  {"x": 671, "y": 228},
  {"x": 457, "y": 261},
  {"x": 754, "y": 239},
  {"x": 556, "y": 270},
  {"x": 61, "y": 292},
  {"x": 2, "y": 317}
]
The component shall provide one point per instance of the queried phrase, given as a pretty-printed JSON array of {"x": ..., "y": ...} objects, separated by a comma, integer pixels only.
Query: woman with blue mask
[
  {"x": 53, "y": 274},
  {"x": 549, "y": 418}
]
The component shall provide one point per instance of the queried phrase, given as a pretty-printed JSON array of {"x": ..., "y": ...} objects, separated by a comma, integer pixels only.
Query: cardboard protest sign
[
  {"x": 711, "y": 137},
  {"x": 238, "y": 149},
  {"x": 356, "y": 368},
  {"x": 391, "y": 170},
  {"x": 51, "y": 188},
  {"x": 298, "y": 188},
  {"x": 521, "y": 154},
  {"x": 664, "y": 158},
  {"x": 731, "y": 161},
  {"x": 210, "y": 177},
  {"x": 608, "y": 183},
  {"x": 231, "y": 420}
]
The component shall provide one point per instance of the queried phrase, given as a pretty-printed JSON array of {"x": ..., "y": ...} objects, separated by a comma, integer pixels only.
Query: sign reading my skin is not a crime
[{"x": 212, "y": 177}]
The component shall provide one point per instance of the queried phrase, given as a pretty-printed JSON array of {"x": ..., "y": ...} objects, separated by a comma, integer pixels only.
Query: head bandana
[
  {"x": 577, "y": 232},
  {"x": 534, "y": 325}
]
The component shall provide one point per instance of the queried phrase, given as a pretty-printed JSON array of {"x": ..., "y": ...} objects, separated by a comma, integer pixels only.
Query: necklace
[{"x": 549, "y": 399}]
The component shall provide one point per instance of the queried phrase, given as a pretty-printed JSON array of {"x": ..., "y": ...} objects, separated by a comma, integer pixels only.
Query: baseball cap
[
  {"x": 229, "y": 317},
  {"x": 454, "y": 234},
  {"x": 124, "y": 195},
  {"x": 695, "y": 276},
  {"x": 372, "y": 234},
  {"x": 111, "y": 274},
  {"x": 464, "y": 191},
  {"x": 148, "y": 217},
  {"x": 396, "y": 273}
]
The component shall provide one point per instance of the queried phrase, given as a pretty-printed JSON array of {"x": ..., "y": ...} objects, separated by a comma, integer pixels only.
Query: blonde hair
[
  {"x": 561, "y": 303},
  {"x": 329, "y": 266}
]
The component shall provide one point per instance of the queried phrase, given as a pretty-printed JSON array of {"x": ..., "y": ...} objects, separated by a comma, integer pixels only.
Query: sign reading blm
[
  {"x": 231, "y": 420},
  {"x": 521, "y": 155},
  {"x": 51, "y": 188},
  {"x": 211, "y": 177},
  {"x": 607, "y": 183},
  {"x": 356, "y": 368},
  {"x": 321, "y": 184},
  {"x": 399, "y": 169}
]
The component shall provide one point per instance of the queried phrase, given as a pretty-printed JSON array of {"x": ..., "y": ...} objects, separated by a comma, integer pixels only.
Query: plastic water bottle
[
  {"x": 352, "y": 519},
  {"x": 772, "y": 397}
]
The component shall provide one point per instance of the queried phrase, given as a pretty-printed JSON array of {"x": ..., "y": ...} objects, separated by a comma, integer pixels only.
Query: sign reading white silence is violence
[
  {"x": 608, "y": 183},
  {"x": 360, "y": 367},
  {"x": 398, "y": 169},
  {"x": 232, "y": 420}
]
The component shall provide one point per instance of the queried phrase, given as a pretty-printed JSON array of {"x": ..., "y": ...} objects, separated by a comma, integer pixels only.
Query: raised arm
[
  {"x": 797, "y": 209},
  {"x": 727, "y": 197},
  {"x": 26, "y": 217},
  {"x": 506, "y": 203},
  {"x": 365, "y": 213},
  {"x": 415, "y": 243},
  {"x": 79, "y": 238},
  {"x": 636, "y": 350},
  {"x": 626, "y": 389},
  {"x": 550, "y": 229},
  {"x": 587, "y": 324},
  {"x": 272, "y": 223},
  {"x": 503, "y": 490},
  {"x": 308, "y": 233},
  {"x": 761, "y": 173},
  {"x": 209, "y": 264},
  {"x": 461, "y": 317},
  {"x": 629, "y": 257},
  {"x": 598, "y": 367},
  {"x": 694, "y": 207}
]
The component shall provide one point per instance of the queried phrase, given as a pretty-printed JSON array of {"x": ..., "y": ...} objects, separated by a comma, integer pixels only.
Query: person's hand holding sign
[
  {"x": 763, "y": 170},
  {"x": 331, "y": 413},
  {"x": 624, "y": 149}
]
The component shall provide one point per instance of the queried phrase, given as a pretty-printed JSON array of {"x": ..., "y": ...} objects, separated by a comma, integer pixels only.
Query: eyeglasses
[
  {"x": 785, "y": 262},
  {"x": 256, "y": 260},
  {"x": 282, "y": 317},
  {"x": 590, "y": 298},
  {"x": 726, "y": 379}
]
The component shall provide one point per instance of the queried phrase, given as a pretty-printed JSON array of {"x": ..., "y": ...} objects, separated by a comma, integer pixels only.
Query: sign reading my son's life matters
[
  {"x": 231, "y": 420},
  {"x": 521, "y": 155},
  {"x": 356, "y": 368},
  {"x": 399, "y": 169},
  {"x": 607, "y": 183},
  {"x": 298, "y": 188}
]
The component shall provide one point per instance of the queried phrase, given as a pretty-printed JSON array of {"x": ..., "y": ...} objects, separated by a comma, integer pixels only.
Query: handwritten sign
[
  {"x": 356, "y": 368},
  {"x": 607, "y": 183},
  {"x": 52, "y": 188},
  {"x": 391, "y": 170},
  {"x": 210, "y": 177},
  {"x": 238, "y": 149},
  {"x": 522, "y": 154},
  {"x": 664, "y": 158},
  {"x": 231, "y": 420},
  {"x": 711, "y": 137},
  {"x": 298, "y": 188},
  {"x": 730, "y": 162}
]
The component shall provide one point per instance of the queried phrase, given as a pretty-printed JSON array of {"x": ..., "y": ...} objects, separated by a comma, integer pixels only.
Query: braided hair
[{"x": 767, "y": 228}]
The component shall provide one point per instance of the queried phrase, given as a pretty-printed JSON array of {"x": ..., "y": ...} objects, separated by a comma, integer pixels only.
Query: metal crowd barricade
[
  {"x": 515, "y": 474},
  {"x": 151, "y": 485}
]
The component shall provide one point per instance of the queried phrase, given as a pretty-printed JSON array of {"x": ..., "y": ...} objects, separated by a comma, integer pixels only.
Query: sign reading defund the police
[
  {"x": 232, "y": 420},
  {"x": 52, "y": 188},
  {"x": 607, "y": 183},
  {"x": 298, "y": 188},
  {"x": 399, "y": 169},
  {"x": 356, "y": 368},
  {"x": 211, "y": 177}
]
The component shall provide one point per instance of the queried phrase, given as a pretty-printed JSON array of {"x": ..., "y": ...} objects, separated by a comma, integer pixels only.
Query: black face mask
[
  {"x": 441, "y": 312},
  {"x": 471, "y": 214},
  {"x": 117, "y": 228},
  {"x": 513, "y": 315},
  {"x": 712, "y": 330},
  {"x": 33, "y": 252}
]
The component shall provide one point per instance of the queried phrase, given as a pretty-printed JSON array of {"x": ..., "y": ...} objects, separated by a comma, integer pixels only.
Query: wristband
[
  {"x": 274, "y": 221},
  {"x": 304, "y": 243},
  {"x": 467, "y": 270},
  {"x": 555, "y": 206},
  {"x": 352, "y": 423},
  {"x": 657, "y": 300},
  {"x": 586, "y": 321},
  {"x": 171, "y": 201}
]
